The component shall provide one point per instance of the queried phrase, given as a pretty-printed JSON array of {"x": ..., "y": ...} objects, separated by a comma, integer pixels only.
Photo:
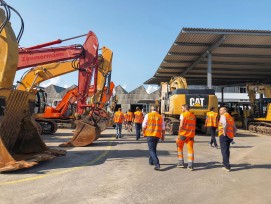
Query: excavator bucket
[
  {"x": 89, "y": 128},
  {"x": 20, "y": 143}
]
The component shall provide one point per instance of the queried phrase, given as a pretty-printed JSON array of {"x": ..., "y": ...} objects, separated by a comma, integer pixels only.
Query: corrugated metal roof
[{"x": 238, "y": 56}]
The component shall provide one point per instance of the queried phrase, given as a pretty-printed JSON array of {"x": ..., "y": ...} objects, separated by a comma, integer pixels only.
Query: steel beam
[
  {"x": 209, "y": 50},
  {"x": 219, "y": 55},
  {"x": 224, "y": 45},
  {"x": 209, "y": 71},
  {"x": 227, "y": 32}
]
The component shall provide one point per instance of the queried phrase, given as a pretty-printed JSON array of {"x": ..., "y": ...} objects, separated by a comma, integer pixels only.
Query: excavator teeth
[
  {"x": 84, "y": 135},
  {"x": 89, "y": 128},
  {"x": 21, "y": 146}
]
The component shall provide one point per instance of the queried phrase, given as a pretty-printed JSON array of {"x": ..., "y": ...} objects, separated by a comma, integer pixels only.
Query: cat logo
[{"x": 198, "y": 102}]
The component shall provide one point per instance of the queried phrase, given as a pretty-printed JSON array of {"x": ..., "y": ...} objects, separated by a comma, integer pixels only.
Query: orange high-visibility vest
[
  {"x": 189, "y": 125},
  {"x": 211, "y": 120},
  {"x": 118, "y": 117},
  {"x": 154, "y": 125},
  {"x": 138, "y": 117},
  {"x": 129, "y": 116},
  {"x": 229, "y": 126}
]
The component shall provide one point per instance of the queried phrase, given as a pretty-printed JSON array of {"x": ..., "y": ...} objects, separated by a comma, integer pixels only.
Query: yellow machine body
[{"x": 20, "y": 143}]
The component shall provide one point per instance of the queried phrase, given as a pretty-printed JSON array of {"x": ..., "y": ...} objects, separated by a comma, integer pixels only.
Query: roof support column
[
  {"x": 209, "y": 71},
  {"x": 222, "y": 96}
]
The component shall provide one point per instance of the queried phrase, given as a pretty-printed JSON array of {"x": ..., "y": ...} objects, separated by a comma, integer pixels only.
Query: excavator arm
[
  {"x": 92, "y": 123},
  {"x": 70, "y": 98},
  {"x": 39, "y": 54},
  {"x": 178, "y": 83},
  {"x": 35, "y": 76},
  {"x": 253, "y": 89}
]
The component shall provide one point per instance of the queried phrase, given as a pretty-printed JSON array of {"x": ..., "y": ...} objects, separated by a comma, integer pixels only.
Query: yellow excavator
[
  {"x": 259, "y": 119},
  {"x": 176, "y": 93},
  {"x": 20, "y": 143},
  {"x": 45, "y": 115}
]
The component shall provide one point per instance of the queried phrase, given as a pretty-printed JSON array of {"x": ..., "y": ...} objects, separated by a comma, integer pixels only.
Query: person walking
[
  {"x": 154, "y": 129},
  {"x": 226, "y": 133},
  {"x": 138, "y": 119},
  {"x": 129, "y": 118},
  {"x": 186, "y": 135},
  {"x": 211, "y": 123},
  {"x": 118, "y": 119},
  {"x": 125, "y": 120}
]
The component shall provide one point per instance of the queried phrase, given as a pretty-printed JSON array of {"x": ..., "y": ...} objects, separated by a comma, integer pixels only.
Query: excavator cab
[
  {"x": 261, "y": 107},
  {"x": 41, "y": 98}
]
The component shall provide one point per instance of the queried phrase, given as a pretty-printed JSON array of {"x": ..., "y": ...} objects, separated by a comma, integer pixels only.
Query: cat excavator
[
  {"x": 48, "y": 116},
  {"x": 20, "y": 143},
  {"x": 176, "y": 93},
  {"x": 259, "y": 120}
]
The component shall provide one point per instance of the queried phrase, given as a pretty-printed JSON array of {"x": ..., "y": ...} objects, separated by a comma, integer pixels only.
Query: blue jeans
[
  {"x": 118, "y": 129},
  {"x": 225, "y": 142},
  {"x": 138, "y": 127},
  {"x": 152, "y": 144}
]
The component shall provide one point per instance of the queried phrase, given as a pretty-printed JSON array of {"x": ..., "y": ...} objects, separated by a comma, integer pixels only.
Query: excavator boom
[
  {"x": 39, "y": 74},
  {"x": 38, "y": 55},
  {"x": 93, "y": 123}
]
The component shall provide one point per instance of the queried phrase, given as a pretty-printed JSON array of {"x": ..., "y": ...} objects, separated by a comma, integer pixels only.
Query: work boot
[
  {"x": 190, "y": 168},
  {"x": 211, "y": 144},
  {"x": 180, "y": 164},
  {"x": 117, "y": 137},
  {"x": 226, "y": 169},
  {"x": 157, "y": 167}
]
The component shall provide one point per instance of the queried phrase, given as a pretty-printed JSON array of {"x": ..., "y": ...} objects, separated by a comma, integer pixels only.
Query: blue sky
[{"x": 139, "y": 32}]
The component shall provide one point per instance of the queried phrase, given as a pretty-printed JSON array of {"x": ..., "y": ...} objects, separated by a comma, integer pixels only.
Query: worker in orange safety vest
[
  {"x": 186, "y": 135},
  {"x": 226, "y": 133},
  {"x": 138, "y": 119},
  {"x": 125, "y": 120},
  {"x": 118, "y": 119},
  {"x": 154, "y": 129},
  {"x": 211, "y": 123},
  {"x": 129, "y": 119}
]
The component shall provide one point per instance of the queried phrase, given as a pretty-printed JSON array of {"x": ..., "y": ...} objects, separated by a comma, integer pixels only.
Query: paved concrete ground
[{"x": 117, "y": 171}]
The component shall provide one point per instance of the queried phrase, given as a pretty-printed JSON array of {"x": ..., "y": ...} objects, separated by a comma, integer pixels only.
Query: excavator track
[
  {"x": 48, "y": 126},
  {"x": 172, "y": 125},
  {"x": 260, "y": 127}
]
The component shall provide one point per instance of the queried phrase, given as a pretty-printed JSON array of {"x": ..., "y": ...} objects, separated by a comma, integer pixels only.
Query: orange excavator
[
  {"x": 92, "y": 119},
  {"x": 48, "y": 116},
  {"x": 58, "y": 113}
]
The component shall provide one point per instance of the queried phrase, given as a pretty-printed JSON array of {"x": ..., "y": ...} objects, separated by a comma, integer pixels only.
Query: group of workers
[
  {"x": 153, "y": 127},
  {"x": 128, "y": 119}
]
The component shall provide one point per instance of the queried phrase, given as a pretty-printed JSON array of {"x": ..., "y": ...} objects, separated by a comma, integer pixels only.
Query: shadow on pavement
[
  {"x": 246, "y": 166},
  {"x": 169, "y": 167},
  {"x": 85, "y": 158}
]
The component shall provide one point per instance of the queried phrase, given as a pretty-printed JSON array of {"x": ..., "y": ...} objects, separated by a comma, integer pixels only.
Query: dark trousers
[
  {"x": 152, "y": 144},
  {"x": 138, "y": 127},
  {"x": 213, "y": 140},
  {"x": 225, "y": 150},
  {"x": 118, "y": 129}
]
